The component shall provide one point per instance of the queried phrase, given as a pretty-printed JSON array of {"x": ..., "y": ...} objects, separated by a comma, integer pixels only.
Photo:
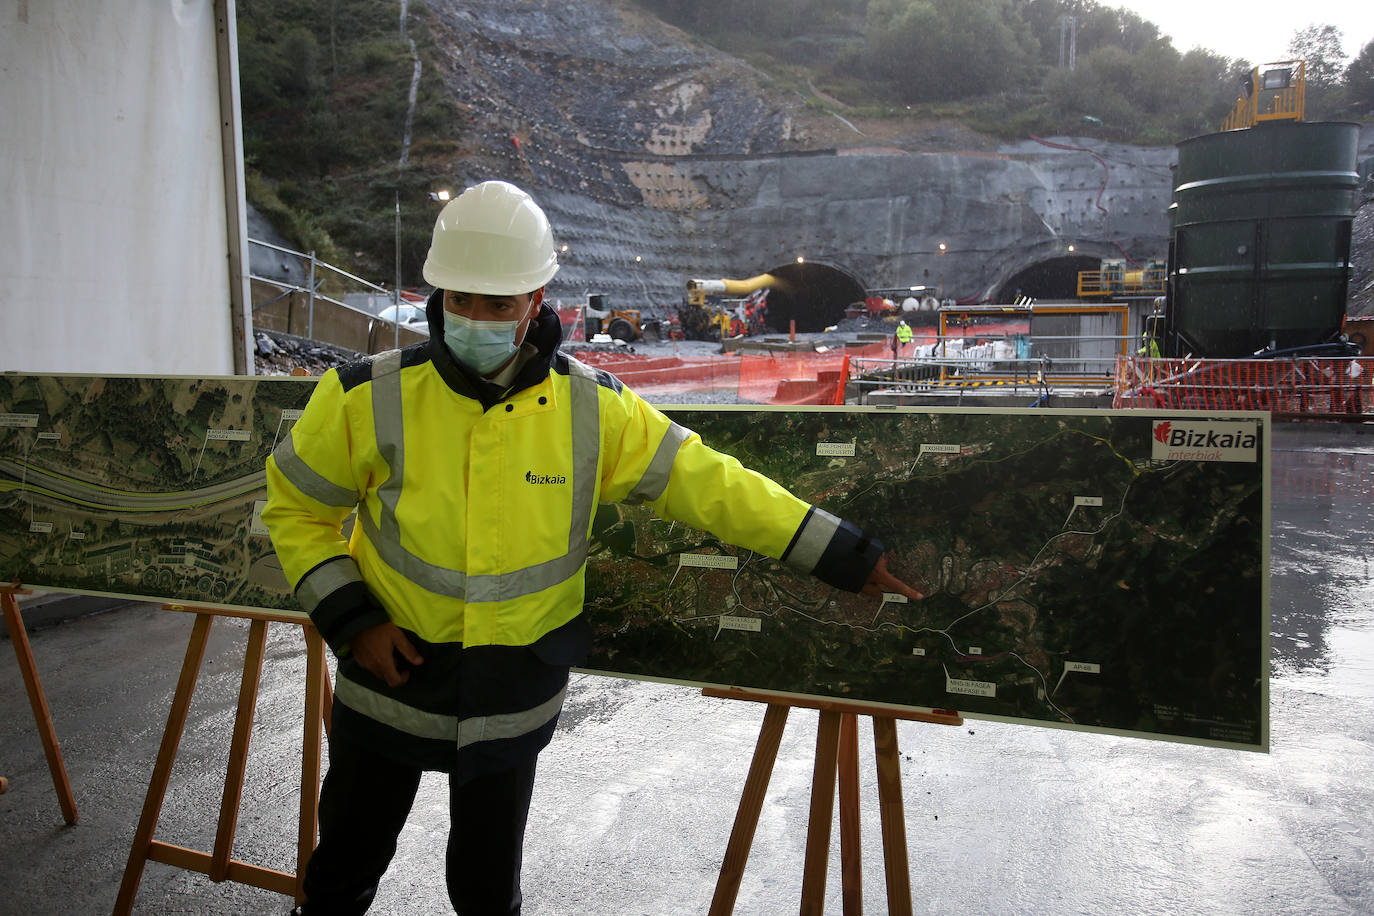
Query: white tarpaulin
[{"x": 113, "y": 240}]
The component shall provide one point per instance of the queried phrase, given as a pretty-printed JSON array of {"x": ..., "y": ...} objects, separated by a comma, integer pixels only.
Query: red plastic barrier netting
[
  {"x": 1329, "y": 386},
  {"x": 790, "y": 378},
  {"x": 650, "y": 375}
]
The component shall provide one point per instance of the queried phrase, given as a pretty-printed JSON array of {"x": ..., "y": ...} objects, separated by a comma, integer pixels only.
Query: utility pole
[{"x": 1068, "y": 42}]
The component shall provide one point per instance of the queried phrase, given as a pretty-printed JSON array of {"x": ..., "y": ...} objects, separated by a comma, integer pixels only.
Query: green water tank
[{"x": 1260, "y": 238}]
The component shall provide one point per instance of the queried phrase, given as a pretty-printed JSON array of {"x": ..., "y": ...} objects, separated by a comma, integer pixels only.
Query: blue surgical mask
[{"x": 480, "y": 345}]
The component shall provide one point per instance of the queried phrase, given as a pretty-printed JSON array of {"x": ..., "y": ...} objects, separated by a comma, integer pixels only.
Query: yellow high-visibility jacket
[{"x": 474, "y": 509}]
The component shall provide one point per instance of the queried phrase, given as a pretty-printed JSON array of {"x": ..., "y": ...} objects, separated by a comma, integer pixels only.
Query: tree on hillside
[
  {"x": 1097, "y": 27},
  {"x": 950, "y": 49},
  {"x": 1320, "y": 47},
  {"x": 1155, "y": 94},
  {"x": 1359, "y": 82}
]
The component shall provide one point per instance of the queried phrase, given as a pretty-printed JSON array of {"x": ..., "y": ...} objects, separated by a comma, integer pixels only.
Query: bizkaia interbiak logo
[
  {"x": 1205, "y": 440},
  {"x": 544, "y": 479}
]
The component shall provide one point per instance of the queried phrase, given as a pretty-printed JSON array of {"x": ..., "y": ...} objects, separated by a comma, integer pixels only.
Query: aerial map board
[
  {"x": 142, "y": 486},
  {"x": 1102, "y": 570}
]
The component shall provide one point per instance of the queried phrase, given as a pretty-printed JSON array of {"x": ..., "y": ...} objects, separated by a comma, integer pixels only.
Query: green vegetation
[
  {"x": 1000, "y": 62},
  {"x": 325, "y": 89}
]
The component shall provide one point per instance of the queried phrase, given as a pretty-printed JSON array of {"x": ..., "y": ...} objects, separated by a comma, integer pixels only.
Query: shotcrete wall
[{"x": 881, "y": 217}]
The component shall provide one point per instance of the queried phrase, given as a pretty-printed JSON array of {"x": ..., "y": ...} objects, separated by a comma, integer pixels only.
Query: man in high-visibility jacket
[
  {"x": 901, "y": 338},
  {"x": 475, "y": 462}
]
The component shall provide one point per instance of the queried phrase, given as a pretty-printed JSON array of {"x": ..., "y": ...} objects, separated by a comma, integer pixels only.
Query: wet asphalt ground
[{"x": 636, "y": 796}]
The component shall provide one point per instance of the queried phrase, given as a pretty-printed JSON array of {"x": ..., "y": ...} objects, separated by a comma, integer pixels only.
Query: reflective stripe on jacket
[{"x": 474, "y": 512}]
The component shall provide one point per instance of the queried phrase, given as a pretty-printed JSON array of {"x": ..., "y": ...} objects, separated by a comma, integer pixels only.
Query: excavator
[{"x": 703, "y": 318}]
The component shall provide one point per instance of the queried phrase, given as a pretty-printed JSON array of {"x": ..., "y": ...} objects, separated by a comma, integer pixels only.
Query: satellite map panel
[
  {"x": 143, "y": 486},
  {"x": 1082, "y": 569}
]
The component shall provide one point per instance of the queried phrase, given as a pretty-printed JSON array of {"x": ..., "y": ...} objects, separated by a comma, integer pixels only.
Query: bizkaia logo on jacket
[
  {"x": 544, "y": 479},
  {"x": 1205, "y": 440}
]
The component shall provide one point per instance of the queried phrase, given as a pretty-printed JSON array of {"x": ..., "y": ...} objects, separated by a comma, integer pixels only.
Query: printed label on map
[
  {"x": 894, "y": 598},
  {"x": 708, "y": 560},
  {"x": 748, "y": 624},
  {"x": 291, "y": 413},
  {"x": 256, "y": 526},
  {"x": 51, "y": 437},
  {"x": 918, "y": 651},
  {"x": 19, "y": 420},
  {"x": 78, "y": 535},
  {"x": 1205, "y": 440},
  {"x": 231, "y": 435},
  {"x": 1087, "y": 501},
  {"x": 40, "y": 527},
  {"x": 838, "y": 449},
  {"x": 938, "y": 449},
  {"x": 1084, "y": 667},
  {"x": 970, "y": 688}
]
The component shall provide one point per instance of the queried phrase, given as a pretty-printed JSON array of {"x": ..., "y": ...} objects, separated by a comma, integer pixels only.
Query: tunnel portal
[
  {"x": 1052, "y": 279},
  {"x": 812, "y": 293}
]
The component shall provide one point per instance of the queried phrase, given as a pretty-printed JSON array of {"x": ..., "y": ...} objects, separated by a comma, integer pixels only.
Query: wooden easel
[
  {"x": 837, "y": 748},
  {"x": 41, "y": 715},
  {"x": 219, "y": 865}
]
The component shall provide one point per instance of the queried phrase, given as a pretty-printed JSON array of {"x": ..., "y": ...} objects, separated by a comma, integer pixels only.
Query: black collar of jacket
[{"x": 545, "y": 332}]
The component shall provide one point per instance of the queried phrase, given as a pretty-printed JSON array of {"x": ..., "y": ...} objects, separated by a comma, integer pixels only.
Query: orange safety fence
[
  {"x": 650, "y": 375},
  {"x": 789, "y": 378},
  {"x": 1325, "y": 388},
  {"x": 773, "y": 377}
]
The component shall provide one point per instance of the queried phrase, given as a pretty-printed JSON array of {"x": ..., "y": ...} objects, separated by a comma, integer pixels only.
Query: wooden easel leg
[
  {"x": 316, "y": 695},
  {"x": 327, "y": 709},
  {"x": 238, "y": 751},
  {"x": 851, "y": 857},
  {"x": 750, "y": 806},
  {"x": 822, "y": 814},
  {"x": 42, "y": 716},
  {"x": 162, "y": 770},
  {"x": 893, "y": 816}
]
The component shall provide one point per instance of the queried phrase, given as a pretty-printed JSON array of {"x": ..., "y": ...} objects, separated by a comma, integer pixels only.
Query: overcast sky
[{"x": 1257, "y": 31}]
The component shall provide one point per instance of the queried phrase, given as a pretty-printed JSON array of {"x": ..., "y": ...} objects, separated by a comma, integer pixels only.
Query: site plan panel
[
  {"x": 1084, "y": 569},
  {"x": 143, "y": 486},
  {"x": 1090, "y": 569}
]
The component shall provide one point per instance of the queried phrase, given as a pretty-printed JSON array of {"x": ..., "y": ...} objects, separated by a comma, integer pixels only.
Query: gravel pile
[{"x": 279, "y": 354}]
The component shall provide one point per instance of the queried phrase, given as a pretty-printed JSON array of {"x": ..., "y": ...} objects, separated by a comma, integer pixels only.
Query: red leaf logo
[{"x": 1162, "y": 431}]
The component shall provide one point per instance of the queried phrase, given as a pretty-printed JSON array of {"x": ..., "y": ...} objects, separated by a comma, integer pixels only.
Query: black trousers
[{"x": 364, "y": 803}]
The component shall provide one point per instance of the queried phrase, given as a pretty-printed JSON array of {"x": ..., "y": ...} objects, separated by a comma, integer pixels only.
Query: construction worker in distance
[
  {"x": 475, "y": 462},
  {"x": 1149, "y": 346},
  {"x": 901, "y": 338}
]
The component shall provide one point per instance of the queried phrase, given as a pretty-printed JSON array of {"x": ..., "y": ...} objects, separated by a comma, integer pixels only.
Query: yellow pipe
[{"x": 731, "y": 287}]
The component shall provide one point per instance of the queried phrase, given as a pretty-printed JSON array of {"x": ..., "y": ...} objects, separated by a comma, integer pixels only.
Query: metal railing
[
  {"x": 314, "y": 268},
  {"x": 1012, "y": 363}
]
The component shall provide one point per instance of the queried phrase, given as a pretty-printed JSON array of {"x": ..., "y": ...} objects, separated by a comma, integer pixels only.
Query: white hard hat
[{"x": 491, "y": 239}]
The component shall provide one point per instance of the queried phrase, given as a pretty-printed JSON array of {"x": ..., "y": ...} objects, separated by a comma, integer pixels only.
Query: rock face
[{"x": 660, "y": 160}]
